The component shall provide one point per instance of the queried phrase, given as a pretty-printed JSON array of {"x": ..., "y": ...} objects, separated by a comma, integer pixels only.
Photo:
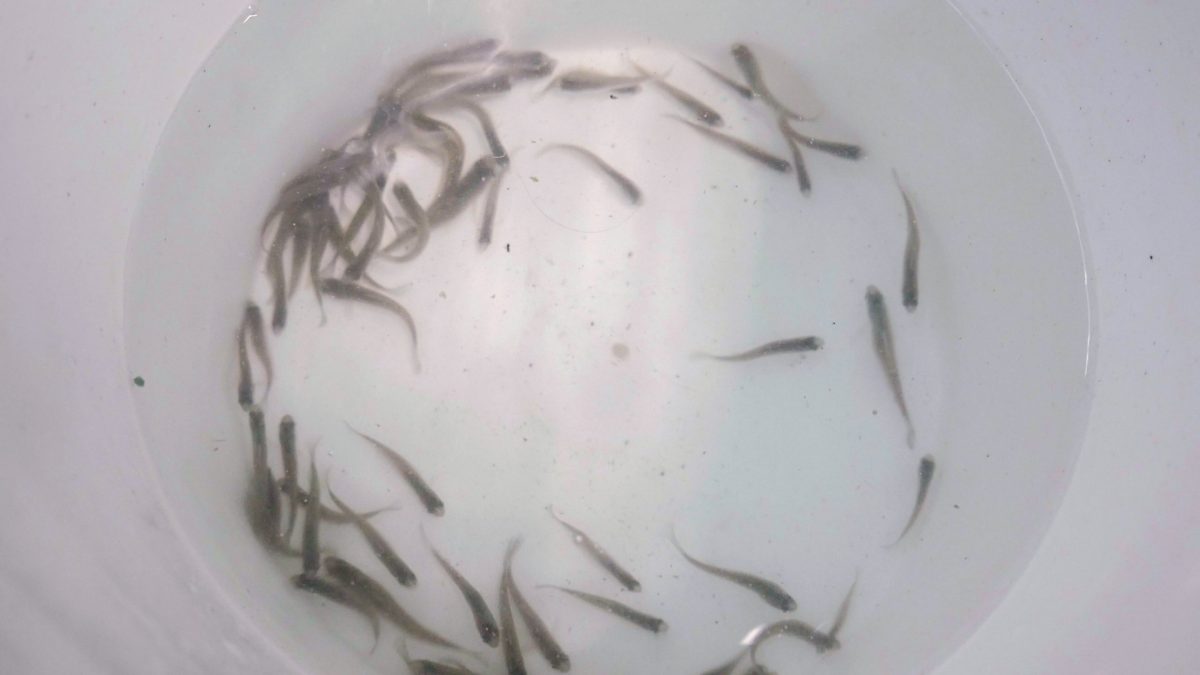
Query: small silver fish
[
  {"x": 427, "y": 667},
  {"x": 245, "y": 389},
  {"x": 771, "y": 592},
  {"x": 252, "y": 323},
  {"x": 618, "y": 609},
  {"x": 485, "y": 622},
  {"x": 748, "y": 64},
  {"x": 433, "y": 504},
  {"x": 787, "y": 346},
  {"x": 753, "y": 152},
  {"x": 598, "y": 554},
  {"x": 276, "y": 276},
  {"x": 340, "y": 594},
  {"x": 838, "y": 621},
  {"x": 701, "y": 110},
  {"x": 741, "y": 89},
  {"x": 358, "y": 265},
  {"x": 290, "y": 482},
  {"x": 526, "y": 64},
  {"x": 843, "y": 150},
  {"x": 793, "y": 628},
  {"x": 258, "y": 440},
  {"x": 451, "y": 203},
  {"x": 912, "y": 249},
  {"x": 585, "y": 79},
  {"x": 452, "y": 146},
  {"x": 378, "y": 598},
  {"x": 924, "y": 478},
  {"x": 489, "y": 211},
  {"x": 420, "y": 226},
  {"x": 538, "y": 630},
  {"x": 514, "y": 662},
  {"x": 627, "y": 186},
  {"x": 310, "y": 546},
  {"x": 797, "y": 157},
  {"x": 348, "y": 290},
  {"x": 499, "y": 153},
  {"x": 881, "y": 334},
  {"x": 379, "y": 546}
]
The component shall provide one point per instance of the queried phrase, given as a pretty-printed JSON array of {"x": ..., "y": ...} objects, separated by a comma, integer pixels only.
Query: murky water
[{"x": 559, "y": 364}]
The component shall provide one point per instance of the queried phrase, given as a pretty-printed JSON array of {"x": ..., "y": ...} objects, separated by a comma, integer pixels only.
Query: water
[{"x": 557, "y": 364}]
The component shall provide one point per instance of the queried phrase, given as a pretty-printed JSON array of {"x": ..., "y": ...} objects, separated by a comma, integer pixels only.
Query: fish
[
  {"x": 476, "y": 50},
  {"x": 348, "y": 290},
  {"x": 753, "y": 152},
  {"x": 838, "y": 621},
  {"x": 538, "y": 630},
  {"x": 331, "y": 515},
  {"x": 618, "y": 609},
  {"x": 771, "y": 592},
  {"x": 881, "y": 335},
  {"x": 912, "y": 249},
  {"x": 786, "y": 346},
  {"x": 924, "y": 477},
  {"x": 261, "y": 504},
  {"x": 793, "y": 628},
  {"x": 321, "y": 238},
  {"x": 258, "y": 440},
  {"x": 245, "y": 389},
  {"x": 631, "y": 190},
  {"x": 450, "y": 203},
  {"x": 701, "y": 110},
  {"x": 252, "y": 323},
  {"x": 741, "y": 89},
  {"x": 499, "y": 153},
  {"x": 585, "y": 79},
  {"x": 802, "y": 178},
  {"x": 340, "y": 594},
  {"x": 278, "y": 283},
  {"x": 382, "y": 601},
  {"x": 748, "y": 64},
  {"x": 379, "y": 546},
  {"x": 526, "y": 64},
  {"x": 489, "y": 212},
  {"x": 433, "y": 504},
  {"x": 452, "y": 147},
  {"x": 598, "y": 554},
  {"x": 301, "y": 235},
  {"x": 358, "y": 265},
  {"x": 514, "y": 662},
  {"x": 310, "y": 547},
  {"x": 485, "y": 621},
  {"x": 290, "y": 481},
  {"x": 420, "y": 230},
  {"x": 427, "y": 667},
  {"x": 843, "y": 150}
]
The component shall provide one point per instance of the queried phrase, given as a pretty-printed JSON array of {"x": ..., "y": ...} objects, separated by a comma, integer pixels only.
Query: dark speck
[{"x": 139, "y": 381}]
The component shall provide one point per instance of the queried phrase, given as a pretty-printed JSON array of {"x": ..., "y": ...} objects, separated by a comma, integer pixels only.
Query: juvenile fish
[
  {"x": 838, "y": 621},
  {"x": 797, "y": 157},
  {"x": 290, "y": 482},
  {"x": 477, "y": 50},
  {"x": 489, "y": 212},
  {"x": 348, "y": 290},
  {"x": 333, "y": 515},
  {"x": 310, "y": 547},
  {"x": 275, "y": 275},
  {"x": 793, "y": 628},
  {"x": 748, "y": 64},
  {"x": 485, "y": 622},
  {"x": 881, "y": 334},
  {"x": 621, "y": 610},
  {"x": 924, "y": 478},
  {"x": 526, "y": 64},
  {"x": 542, "y": 638},
  {"x": 379, "y": 546},
  {"x": 912, "y": 249},
  {"x": 379, "y": 599},
  {"x": 451, "y": 203},
  {"x": 499, "y": 153},
  {"x": 252, "y": 324},
  {"x": 585, "y": 79},
  {"x": 358, "y": 265},
  {"x": 598, "y": 554},
  {"x": 245, "y": 389},
  {"x": 301, "y": 235},
  {"x": 753, "y": 152},
  {"x": 741, "y": 89},
  {"x": 258, "y": 440},
  {"x": 701, "y": 110},
  {"x": 340, "y": 594},
  {"x": 627, "y": 186},
  {"x": 514, "y": 662},
  {"x": 453, "y": 149},
  {"x": 843, "y": 150},
  {"x": 419, "y": 230},
  {"x": 788, "y": 346},
  {"x": 772, "y": 593},
  {"x": 428, "y": 497},
  {"x": 427, "y": 667}
]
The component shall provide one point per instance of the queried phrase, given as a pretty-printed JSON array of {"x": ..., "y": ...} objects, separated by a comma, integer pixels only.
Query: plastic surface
[{"x": 1111, "y": 590}]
